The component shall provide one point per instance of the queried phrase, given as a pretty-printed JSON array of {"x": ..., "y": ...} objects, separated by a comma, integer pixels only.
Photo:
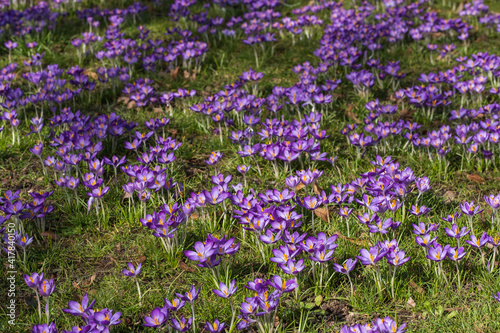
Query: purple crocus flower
[
  {"x": 396, "y": 258},
  {"x": 291, "y": 267},
  {"x": 157, "y": 318},
  {"x": 77, "y": 309},
  {"x": 106, "y": 317},
  {"x": 347, "y": 267},
  {"x": 470, "y": 209},
  {"x": 201, "y": 252},
  {"x": 478, "y": 243},
  {"x": 372, "y": 256},
  {"x": 181, "y": 325},
  {"x": 225, "y": 291},
  {"x": 215, "y": 327},
  {"x": 132, "y": 271},
  {"x": 281, "y": 285},
  {"x": 191, "y": 295},
  {"x": 44, "y": 328},
  {"x": 33, "y": 280},
  {"x": 455, "y": 232},
  {"x": 438, "y": 252},
  {"x": 46, "y": 287},
  {"x": 456, "y": 254}
]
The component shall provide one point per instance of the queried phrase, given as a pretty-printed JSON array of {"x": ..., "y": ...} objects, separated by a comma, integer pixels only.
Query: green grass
[{"x": 87, "y": 255}]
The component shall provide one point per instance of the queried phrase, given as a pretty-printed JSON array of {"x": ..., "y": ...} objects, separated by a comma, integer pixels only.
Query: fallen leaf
[
  {"x": 317, "y": 189},
  {"x": 75, "y": 285},
  {"x": 449, "y": 196},
  {"x": 353, "y": 240},
  {"x": 141, "y": 259},
  {"x": 131, "y": 105},
  {"x": 475, "y": 178},
  {"x": 123, "y": 99},
  {"x": 416, "y": 287},
  {"x": 186, "y": 75},
  {"x": 175, "y": 72},
  {"x": 322, "y": 213},
  {"x": 299, "y": 187},
  {"x": 411, "y": 303},
  {"x": 49, "y": 234},
  {"x": 351, "y": 115},
  {"x": 92, "y": 278},
  {"x": 185, "y": 268},
  {"x": 157, "y": 110},
  {"x": 478, "y": 330},
  {"x": 90, "y": 74}
]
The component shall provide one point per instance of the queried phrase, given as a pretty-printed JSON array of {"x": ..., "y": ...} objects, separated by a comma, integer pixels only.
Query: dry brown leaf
[
  {"x": 449, "y": 196},
  {"x": 317, "y": 189},
  {"x": 131, "y": 105},
  {"x": 411, "y": 303},
  {"x": 141, "y": 259},
  {"x": 175, "y": 72},
  {"x": 351, "y": 115},
  {"x": 299, "y": 187},
  {"x": 416, "y": 287},
  {"x": 322, "y": 213},
  {"x": 475, "y": 178},
  {"x": 49, "y": 234},
  {"x": 90, "y": 74},
  {"x": 186, "y": 75},
  {"x": 123, "y": 99},
  {"x": 92, "y": 278},
  {"x": 75, "y": 285},
  {"x": 353, "y": 240},
  {"x": 185, "y": 268},
  {"x": 157, "y": 110},
  {"x": 113, "y": 260}
]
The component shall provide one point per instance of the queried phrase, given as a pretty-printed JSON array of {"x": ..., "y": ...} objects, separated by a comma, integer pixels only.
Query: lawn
[{"x": 250, "y": 151}]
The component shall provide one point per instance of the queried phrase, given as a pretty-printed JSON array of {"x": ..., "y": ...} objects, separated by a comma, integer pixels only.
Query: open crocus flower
[
  {"x": 77, "y": 309},
  {"x": 46, "y": 287},
  {"x": 33, "y": 280},
  {"x": 157, "y": 318},
  {"x": 372, "y": 256},
  {"x": 225, "y": 291},
  {"x": 132, "y": 271},
  {"x": 347, "y": 267},
  {"x": 470, "y": 209},
  {"x": 438, "y": 252},
  {"x": 215, "y": 327}
]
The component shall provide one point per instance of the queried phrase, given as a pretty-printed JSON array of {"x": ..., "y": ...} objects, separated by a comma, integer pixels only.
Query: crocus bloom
[
  {"x": 191, "y": 295},
  {"x": 283, "y": 285},
  {"x": 470, "y": 209},
  {"x": 438, "y": 252},
  {"x": 224, "y": 291},
  {"x": 396, "y": 258},
  {"x": 456, "y": 254},
  {"x": 46, "y": 288},
  {"x": 132, "y": 271},
  {"x": 216, "y": 327},
  {"x": 181, "y": 325},
  {"x": 33, "y": 280},
  {"x": 347, "y": 267},
  {"x": 455, "y": 232},
  {"x": 372, "y": 256},
  {"x": 478, "y": 243},
  {"x": 77, "y": 309},
  {"x": 44, "y": 328},
  {"x": 156, "y": 319}
]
